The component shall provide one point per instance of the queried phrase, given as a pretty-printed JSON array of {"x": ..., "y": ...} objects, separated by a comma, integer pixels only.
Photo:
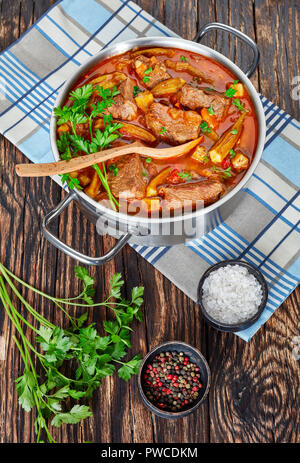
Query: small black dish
[
  {"x": 243, "y": 325},
  {"x": 196, "y": 357}
]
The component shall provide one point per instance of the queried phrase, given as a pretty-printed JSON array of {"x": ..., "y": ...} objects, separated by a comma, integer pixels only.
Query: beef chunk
[
  {"x": 126, "y": 89},
  {"x": 173, "y": 125},
  {"x": 150, "y": 168},
  {"x": 207, "y": 190},
  {"x": 125, "y": 177},
  {"x": 125, "y": 107},
  {"x": 158, "y": 74},
  {"x": 195, "y": 98}
]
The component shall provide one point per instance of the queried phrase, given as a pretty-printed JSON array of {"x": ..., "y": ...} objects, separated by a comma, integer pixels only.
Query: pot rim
[{"x": 167, "y": 42}]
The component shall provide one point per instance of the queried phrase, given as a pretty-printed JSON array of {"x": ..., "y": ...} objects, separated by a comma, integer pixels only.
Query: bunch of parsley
[
  {"x": 55, "y": 395},
  {"x": 81, "y": 112}
]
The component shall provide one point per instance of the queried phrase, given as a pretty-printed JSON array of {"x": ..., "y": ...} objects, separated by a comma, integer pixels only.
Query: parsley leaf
[
  {"x": 227, "y": 172},
  {"x": 75, "y": 415},
  {"x": 184, "y": 175},
  {"x": 83, "y": 274},
  {"x": 71, "y": 182},
  {"x": 82, "y": 93},
  {"x": 236, "y": 102},
  {"x": 183, "y": 58},
  {"x": 130, "y": 368},
  {"x": 230, "y": 92},
  {"x": 136, "y": 91},
  {"x": 116, "y": 285},
  {"x": 25, "y": 387},
  {"x": 205, "y": 127},
  {"x": 114, "y": 169}
]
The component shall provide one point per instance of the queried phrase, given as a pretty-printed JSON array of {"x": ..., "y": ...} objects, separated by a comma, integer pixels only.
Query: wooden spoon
[{"x": 63, "y": 167}]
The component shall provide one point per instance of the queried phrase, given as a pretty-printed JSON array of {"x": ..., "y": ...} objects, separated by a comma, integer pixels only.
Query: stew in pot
[{"x": 160, "y": 97}]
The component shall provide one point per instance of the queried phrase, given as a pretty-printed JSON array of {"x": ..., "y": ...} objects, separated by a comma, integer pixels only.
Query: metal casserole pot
[{"x": 157, "y": 231}]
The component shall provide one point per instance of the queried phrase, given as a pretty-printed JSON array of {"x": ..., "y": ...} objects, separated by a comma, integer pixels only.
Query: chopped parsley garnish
[
  {"x": 114, "y": 169},
  {"x": 147, "y": 72},
  {"x": 148, "y": 160},
  {"x": 226, "y": 172},
  {"x": 183, "y": 58},
  {"x": 210, "y": 111},
  {"x": 145, "y": 173},
  {"x": 230, "y": 92},
  {"x": 136, "y": 91},
  {"x": 205, "y": 127},
  {"x": 236, "y": 102},
  {"x": 184, "y": 175},
  {"x": 205, "y": 159},
  {"x": 234, "y": 131},
  {"x": 163, "y": 130},
  {"x": 232, "y": 153}
]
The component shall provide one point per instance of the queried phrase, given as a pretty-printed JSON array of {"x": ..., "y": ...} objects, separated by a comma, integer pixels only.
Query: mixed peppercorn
[{"x": 172, "y": 382}]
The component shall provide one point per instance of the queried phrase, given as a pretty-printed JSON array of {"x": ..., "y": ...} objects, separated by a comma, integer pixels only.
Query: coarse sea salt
[{"x": 231, "y": 294}]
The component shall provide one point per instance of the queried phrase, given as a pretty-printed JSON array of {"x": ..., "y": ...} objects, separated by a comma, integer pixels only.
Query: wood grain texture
[{"x": 255, "y": 387}]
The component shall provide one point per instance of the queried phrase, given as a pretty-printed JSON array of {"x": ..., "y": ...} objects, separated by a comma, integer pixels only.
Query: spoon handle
[{"x": 74, "y": 164}]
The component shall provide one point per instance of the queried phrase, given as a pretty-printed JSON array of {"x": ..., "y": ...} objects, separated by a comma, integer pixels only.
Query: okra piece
[
  {"x": 227, "y": 141},
  {"x": 187, "y": 67},
  {"x": 168, "y": 87}
]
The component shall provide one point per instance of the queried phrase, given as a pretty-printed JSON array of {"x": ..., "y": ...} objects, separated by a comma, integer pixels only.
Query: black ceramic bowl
[
  {"x": 196, "y": 357},
  {"x": 242, "y": 325}
]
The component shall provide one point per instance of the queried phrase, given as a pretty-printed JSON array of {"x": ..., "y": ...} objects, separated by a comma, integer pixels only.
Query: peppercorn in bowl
[{"x": 174, "y": 379}]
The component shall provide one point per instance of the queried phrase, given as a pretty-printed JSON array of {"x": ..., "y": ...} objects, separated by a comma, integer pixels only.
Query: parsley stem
[
  {"x": 90, "y": 126},
  {"x": 58, "y": 301},
  {"x": 73, "y": 129},
  {"x": 27, "y": 359},
  {"x": 33, "y": 312},
  {"x": 14, "y": 315},
  {"x": 106, "y": 186},
  {"x": 37, "y": 404}
]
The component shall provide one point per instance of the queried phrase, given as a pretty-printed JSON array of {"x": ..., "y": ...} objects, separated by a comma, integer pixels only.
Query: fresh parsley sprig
[
  {"x": 46, "y": 387},
  {"x": 70, "y": 144}
]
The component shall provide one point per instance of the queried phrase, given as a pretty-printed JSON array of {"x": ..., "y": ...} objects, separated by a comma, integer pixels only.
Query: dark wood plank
[
  {"x": 254, "y": 386},
  {"x": 281, "y": 61}
]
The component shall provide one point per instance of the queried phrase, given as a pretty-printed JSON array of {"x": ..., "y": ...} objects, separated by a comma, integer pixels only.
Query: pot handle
[
  {"x": 70, "y": 251},
  {"x": 237, "y": 33}
]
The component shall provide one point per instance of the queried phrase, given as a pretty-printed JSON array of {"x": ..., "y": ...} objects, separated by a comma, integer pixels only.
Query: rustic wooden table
[{"x": 254, "y": 389}]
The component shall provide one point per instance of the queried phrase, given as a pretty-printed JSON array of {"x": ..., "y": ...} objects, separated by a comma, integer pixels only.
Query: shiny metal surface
[{"x": 160, "y": 231}]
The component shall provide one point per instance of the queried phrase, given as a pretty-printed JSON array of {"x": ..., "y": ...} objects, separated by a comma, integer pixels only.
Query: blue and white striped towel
[{"x": 32, "y": 71}]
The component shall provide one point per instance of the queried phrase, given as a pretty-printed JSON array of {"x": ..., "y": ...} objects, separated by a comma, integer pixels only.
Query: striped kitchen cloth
[{"x": 265, "y": 232}]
